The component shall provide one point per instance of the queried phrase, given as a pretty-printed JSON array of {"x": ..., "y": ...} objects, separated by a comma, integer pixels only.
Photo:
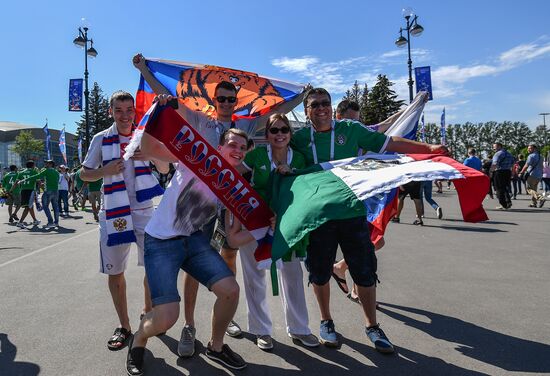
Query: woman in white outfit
[{"x": 261, "y": 161}]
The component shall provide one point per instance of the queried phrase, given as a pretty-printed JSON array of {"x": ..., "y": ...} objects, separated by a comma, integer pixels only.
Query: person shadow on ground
[
  {"x": 8, "y": 365},
  {"x": 501, "y": 350},
  {"x": 300, "y": 360}
]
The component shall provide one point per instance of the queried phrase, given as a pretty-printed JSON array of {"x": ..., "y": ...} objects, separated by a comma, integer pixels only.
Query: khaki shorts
[
  {"x": 14, "y": 199},
  {"x": 113, "y": 260},
  {"x": 95, "y": 198}
]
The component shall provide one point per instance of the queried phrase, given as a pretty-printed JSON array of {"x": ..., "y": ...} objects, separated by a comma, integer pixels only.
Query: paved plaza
[{"x": 455, "y": 298}]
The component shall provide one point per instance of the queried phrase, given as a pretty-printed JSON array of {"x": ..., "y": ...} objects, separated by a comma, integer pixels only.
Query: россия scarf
[{"x": 120, "y": 228}]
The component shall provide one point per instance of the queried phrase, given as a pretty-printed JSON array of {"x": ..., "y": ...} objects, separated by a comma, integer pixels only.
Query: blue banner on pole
[
  {"x": 423, "y": 79},
  {"x": 79, "y": 149},
  {"x": 75, "y": 94},
  {"x": 47, "y": 143},
  {"x": 443, "y": 128},
  {"x": 62, "y": 146}
]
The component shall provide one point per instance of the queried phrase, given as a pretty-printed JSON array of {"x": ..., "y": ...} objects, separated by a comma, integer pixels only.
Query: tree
[
  {"x": 364, "y": 103},
  {"x": 541, "y": 136},
  {"x": 98, "y": 108},
  {"x": 27, "y": 146},
  {"x": 353, "y": 94},
  {"x": 382, "y": 101}
]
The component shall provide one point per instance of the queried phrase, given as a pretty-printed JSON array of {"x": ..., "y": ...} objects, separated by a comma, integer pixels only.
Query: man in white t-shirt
[
  {"x": 114, "y": 259},
  {"x": 63, "y": 191},
  {"x": 211, "y": 128},
  {"x": 177, "y": 237}
]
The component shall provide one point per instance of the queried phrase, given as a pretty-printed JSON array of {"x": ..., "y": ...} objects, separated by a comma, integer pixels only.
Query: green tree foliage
[
  {"x": 382, "y": 101},
  {"x": 541, "y": 136},
  {"x": 98, "y": 107},
  {"x": 515, "y": 136},
  {"x": 27, "y": 146},
  {"x": 354, "y": 94},
  {"x": 364, "y": 103}
]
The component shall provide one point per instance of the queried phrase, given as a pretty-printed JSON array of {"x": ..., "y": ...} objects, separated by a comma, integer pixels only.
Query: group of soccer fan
[{"x": 192, "y": 231}]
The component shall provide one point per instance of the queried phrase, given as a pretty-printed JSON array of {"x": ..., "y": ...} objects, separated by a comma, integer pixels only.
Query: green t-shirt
[
  {"x": 349, "y": 137},
  {"x": 30, "y": 175},
  {"x": 258, "y": 162},
  {"x": 9, "y": 180},
  {"x": 94, "y": 186},
  {"x": 51, "y": 175},
  {"x": 79, "y": 182}
]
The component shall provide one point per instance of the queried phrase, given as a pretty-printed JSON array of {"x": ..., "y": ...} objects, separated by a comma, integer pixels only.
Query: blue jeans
[
  {"x": 53, "y": 198},
  {"x": 427, "y": 190},
  {"x": 164, "y": 258},
  {"x": 63, "y": 202}
]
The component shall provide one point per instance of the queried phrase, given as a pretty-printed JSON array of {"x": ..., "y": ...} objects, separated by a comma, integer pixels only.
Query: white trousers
[{"x": 291, "y": 289}]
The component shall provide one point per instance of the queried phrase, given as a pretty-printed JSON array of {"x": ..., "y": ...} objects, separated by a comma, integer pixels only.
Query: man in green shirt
[
  {"x": 26, "y": 179},
  {"x": 326, "y": 140},
  {"x": 51, "y": 194},
  {"x": 14, "y": 193},
  {"x": 94, "y": 196}
]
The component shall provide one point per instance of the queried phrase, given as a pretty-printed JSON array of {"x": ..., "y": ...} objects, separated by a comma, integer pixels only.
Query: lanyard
[
  {"x": 270, "y": 156},
  {"x": 314, "y": 148},
  {"x": 219, "y": 125}
]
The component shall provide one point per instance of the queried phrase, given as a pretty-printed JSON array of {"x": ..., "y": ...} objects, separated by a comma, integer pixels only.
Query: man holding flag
[{"x": 327, "y": 140}]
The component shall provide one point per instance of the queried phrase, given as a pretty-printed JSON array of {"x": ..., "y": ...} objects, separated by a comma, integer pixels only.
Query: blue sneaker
[
  {"x": 379, "y": 339},
  {"x": 327, "y": 334}
]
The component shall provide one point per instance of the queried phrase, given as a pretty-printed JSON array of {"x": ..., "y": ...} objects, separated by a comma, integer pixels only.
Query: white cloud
[
  {"x": 295, "y": 65},
  {"x": 524, "y": 53},
  {"x": 448, "y": 81}
]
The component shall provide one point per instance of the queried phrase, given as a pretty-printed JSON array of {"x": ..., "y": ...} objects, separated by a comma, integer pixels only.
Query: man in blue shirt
[
  {"x": 472, "y": 161},
  {"x": 502, "y": 175},
  {"x": 533, "y": 167}
]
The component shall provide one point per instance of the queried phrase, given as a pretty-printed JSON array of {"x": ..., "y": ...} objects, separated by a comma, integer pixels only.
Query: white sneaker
[
  {"x": 264, "y": 342},
  {"x": 439, "y": 212},
  {"x": 20, "y": 225},
  {"x": 49, "y": 226},
  {"x": 233, "y": 329},
  {"x": 36, "y": 223},
  {"x": 308, "y": 340}
]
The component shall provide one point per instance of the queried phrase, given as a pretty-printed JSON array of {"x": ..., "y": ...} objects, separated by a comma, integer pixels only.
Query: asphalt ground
[{"x": 455, "y": 298}]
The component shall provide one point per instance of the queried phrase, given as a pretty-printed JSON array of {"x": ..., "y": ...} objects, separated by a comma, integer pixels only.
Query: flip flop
[
  {"x": 341, "y": 282},
  {"x": 355, "y": 300},
  {"x": 119, "y": 339}
]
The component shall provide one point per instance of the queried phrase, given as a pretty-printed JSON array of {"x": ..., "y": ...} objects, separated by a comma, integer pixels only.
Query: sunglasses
[
  {"x": 315, "y": 105},
  {"x": 222, "y": 99},
  {"x": 283, "y": 130}
]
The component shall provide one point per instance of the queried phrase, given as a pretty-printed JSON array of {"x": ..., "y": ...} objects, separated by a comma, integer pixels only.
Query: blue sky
[{"x": 489, "y": 61}]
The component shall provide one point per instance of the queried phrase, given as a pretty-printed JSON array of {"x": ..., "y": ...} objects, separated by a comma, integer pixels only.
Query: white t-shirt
[
  {"x": 63, "y": 182},
  {"x": 188, "y": 204},
  {"x": 94, "y": 159}
]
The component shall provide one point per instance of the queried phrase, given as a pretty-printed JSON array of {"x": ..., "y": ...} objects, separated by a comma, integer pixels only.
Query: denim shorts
[
  {"x": 354, "y": 239},
  {"x": 193, "y": 254}
]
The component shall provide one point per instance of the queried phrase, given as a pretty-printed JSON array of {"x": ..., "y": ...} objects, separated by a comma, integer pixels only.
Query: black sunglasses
[
  {"x": 222, "y": 99},
  {"x": 315, "y": 105},
  {"x": 283, "y": 130}
]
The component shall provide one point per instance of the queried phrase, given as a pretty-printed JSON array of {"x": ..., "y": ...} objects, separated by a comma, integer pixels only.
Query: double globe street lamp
[
  {"x": 82, "y": 42},
  {"x": 414, "y": 29}
]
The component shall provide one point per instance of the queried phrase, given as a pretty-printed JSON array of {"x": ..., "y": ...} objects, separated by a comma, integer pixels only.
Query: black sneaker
[
  {"x": 134, "y": 361},
  {"x": 226, "y": 357}
]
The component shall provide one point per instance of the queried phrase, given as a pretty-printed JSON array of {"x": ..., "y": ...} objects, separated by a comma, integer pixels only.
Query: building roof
[{"x": 13, "y": 126}]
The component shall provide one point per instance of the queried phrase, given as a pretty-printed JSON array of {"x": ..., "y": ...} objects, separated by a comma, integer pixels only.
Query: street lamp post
[
  {"x": 544, "y": 114},
  {"x": 82, "y": 41},
  {"x": 414, "y": 29}
]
